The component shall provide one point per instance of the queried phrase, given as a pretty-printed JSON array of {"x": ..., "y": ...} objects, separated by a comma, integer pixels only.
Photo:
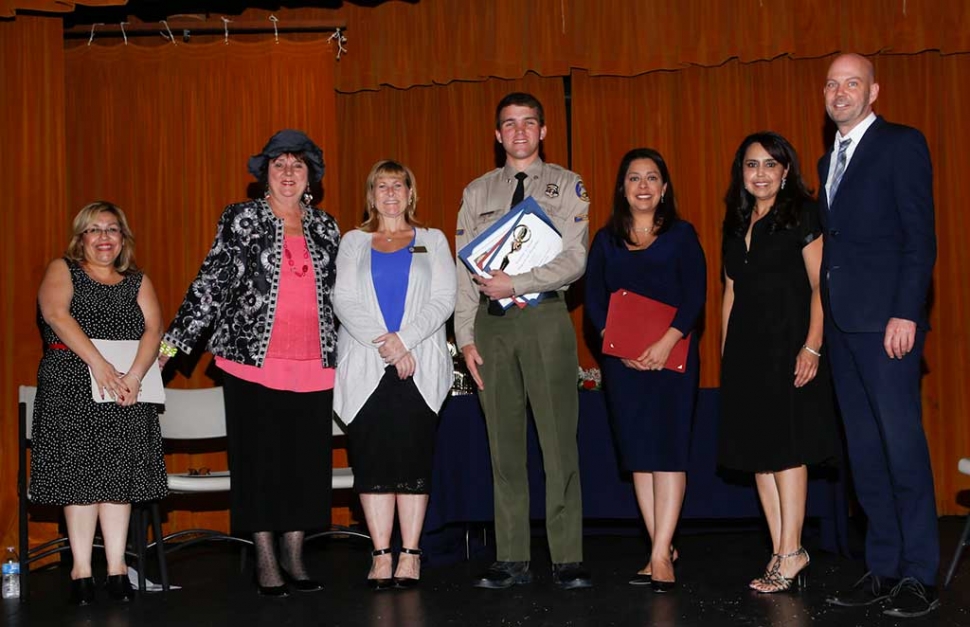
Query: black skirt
[
  {"x": 391, "y": 441},
  {"x": 280, "y": 457}
]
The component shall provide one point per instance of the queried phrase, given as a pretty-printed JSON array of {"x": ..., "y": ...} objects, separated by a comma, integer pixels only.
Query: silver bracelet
[{"x": 812, "y": 351}]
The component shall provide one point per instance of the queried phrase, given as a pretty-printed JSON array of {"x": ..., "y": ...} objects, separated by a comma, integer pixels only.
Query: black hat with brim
[{"x": 289, "y": 141}]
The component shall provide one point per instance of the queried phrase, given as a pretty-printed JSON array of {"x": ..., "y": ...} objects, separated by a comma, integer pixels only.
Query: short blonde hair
[
  {"x": 387, "y": 167},
  {"x": 125, "y": 262}
]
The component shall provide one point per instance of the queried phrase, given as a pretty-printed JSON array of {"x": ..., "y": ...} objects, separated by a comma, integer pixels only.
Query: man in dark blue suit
[{"x": 876, "y": 206}]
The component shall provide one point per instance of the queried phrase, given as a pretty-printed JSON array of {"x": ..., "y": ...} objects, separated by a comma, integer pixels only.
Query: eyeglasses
[{"x": 111, "y": 231}]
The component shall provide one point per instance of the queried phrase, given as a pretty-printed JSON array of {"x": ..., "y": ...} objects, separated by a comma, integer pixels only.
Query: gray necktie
[{"x": 840, "y": 160}]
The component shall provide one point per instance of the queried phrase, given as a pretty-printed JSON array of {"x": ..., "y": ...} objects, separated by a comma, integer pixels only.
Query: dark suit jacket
[{"x": 880, "y": 244}]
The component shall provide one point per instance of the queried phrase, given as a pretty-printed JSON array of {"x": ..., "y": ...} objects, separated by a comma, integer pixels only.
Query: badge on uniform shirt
[
  {"x": 417, "y": 249},
  {"x": 581, "y": 191},
  {"x": 552, "y": 190}
]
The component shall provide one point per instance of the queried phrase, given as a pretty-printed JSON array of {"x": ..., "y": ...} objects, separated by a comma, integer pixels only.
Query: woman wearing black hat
[{"x": 264, "y": 290}]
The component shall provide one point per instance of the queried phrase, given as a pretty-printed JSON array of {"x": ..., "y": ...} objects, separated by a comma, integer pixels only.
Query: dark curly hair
[
  {"x": 621, "y": 220},
  {"x": 739, "y": 203}
]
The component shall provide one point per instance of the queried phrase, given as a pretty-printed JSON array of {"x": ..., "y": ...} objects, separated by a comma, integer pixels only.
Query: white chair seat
[
  {"x": 343, "y": 478},
  {"x": 964, "y": 466},
  {"x": 185, "y": 483}
]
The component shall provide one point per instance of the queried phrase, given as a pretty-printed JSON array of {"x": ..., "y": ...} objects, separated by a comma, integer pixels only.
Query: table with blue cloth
[{"x": 462, "y": 477}]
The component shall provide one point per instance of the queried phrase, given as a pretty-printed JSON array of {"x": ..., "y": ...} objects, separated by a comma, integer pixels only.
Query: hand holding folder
[
  {"x": 634, "y": 322},
  {"x": 520, "y": 240}
]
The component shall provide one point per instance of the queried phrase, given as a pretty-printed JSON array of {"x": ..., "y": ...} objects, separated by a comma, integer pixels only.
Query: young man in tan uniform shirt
[{"x": 529, "y": 354}]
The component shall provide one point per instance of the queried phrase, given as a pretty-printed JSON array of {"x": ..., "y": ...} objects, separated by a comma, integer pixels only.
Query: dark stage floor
[{"x": 713, "y": 570}]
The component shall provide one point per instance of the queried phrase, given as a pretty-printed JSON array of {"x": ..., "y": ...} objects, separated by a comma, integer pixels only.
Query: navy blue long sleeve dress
[{"x": 650, "y": 411}]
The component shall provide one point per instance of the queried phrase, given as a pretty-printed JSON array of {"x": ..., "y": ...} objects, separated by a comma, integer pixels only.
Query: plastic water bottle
[{"x": 11, "y": 574}]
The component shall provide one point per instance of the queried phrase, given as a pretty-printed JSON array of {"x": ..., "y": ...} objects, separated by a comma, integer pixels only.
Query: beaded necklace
[{"x": 292, "y": 264}]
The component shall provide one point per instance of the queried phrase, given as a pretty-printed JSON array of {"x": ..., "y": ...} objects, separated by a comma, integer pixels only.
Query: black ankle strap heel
[
  {"x": 381, "y": 583},
  {"x": 409, "y": 582}
]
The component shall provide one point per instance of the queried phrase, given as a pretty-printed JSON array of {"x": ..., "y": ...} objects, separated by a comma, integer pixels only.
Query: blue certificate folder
[{"x": 481, "y": 254}]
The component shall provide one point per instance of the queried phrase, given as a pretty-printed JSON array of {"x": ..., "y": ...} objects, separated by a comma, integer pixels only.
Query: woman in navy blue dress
[{"x": 648, "y": 250}]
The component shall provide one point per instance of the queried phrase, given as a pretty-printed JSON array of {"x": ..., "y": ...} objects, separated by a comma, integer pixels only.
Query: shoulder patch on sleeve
[{"x": 581, "y": 191}]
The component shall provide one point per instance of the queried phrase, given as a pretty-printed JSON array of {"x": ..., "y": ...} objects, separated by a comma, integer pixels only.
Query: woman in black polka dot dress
[{"x": 96, "y": 459}]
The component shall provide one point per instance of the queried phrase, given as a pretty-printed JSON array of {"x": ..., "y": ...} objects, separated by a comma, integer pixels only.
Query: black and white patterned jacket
[{"x": 237, "y": 288}]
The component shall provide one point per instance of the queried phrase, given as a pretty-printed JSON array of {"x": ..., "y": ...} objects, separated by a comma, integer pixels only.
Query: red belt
[{"x": 58, "y": 346}]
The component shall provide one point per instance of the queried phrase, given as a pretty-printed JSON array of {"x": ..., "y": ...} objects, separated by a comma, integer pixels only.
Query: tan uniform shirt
[{"x": 561, "y": 194}]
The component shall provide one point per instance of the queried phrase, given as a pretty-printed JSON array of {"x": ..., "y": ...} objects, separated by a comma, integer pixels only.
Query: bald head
[
  {"x": 850, "y": 90},
  {"x": 854, "y": 62}
]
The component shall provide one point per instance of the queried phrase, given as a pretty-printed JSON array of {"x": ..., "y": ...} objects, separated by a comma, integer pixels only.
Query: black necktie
[{"x": 519, "y": 194}]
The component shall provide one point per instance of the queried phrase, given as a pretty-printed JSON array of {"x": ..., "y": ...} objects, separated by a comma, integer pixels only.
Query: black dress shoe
[
  {"x": 409, "y": 582},
  {"x": 911, "y": 599},
  {"x": 301, "y": 585},
  {"x": 870, "y": 589},
  {"x": 270, "y": 591},
  {"x": 82, "y": 591},
  {"x": 571, "y": 575},
  {"x": 380, "y": 583},
  {"x": 119, "y": 588},
  {"x": 273, "y": 591},
  {"x": 502, "y": 575}
]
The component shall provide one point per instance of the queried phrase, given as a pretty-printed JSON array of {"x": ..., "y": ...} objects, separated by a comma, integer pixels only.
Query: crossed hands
[
  {"x": 121, "y": 387},
  {"x": 393, "y": 352}
]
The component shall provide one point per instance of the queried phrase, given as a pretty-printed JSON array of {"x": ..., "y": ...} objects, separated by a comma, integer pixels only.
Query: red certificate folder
[{"x": 634, "y": 322}]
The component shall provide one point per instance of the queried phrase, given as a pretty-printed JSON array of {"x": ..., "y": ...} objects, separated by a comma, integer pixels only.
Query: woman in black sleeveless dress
[{"x": 96, "y": 459}]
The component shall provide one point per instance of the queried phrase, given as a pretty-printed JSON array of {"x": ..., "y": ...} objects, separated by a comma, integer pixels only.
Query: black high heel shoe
[
  {"x": 82, "y": 591},
  {"x": 645, "y": 579},
  {"x": 409, "y": 582},
  {"x": 119, "y": 588},
  {"x": 380, "y": 583},
  {"x": 301, "y": 585}
]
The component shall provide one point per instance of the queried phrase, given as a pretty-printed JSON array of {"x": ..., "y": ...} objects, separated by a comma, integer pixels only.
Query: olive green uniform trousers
[{"x": 529, "y": 355}]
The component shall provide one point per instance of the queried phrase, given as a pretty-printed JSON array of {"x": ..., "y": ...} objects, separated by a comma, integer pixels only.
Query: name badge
[{"x": 418, "y": 249}]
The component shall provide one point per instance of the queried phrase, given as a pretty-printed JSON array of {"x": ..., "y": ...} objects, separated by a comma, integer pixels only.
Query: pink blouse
[{"x": 292, "y": 360}]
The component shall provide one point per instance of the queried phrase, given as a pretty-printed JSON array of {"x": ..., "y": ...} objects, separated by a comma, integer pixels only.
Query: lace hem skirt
[{"x": 391, "y": 440}]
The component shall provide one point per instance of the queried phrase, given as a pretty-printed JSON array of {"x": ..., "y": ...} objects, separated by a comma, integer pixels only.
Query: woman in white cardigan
[{"x": 395, "y": 289}]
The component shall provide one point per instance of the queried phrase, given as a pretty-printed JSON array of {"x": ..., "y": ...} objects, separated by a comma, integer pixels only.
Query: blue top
[
  {"x": 672, "y": 270},
  {"x": 389, "y": 272}
]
